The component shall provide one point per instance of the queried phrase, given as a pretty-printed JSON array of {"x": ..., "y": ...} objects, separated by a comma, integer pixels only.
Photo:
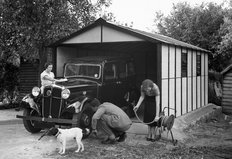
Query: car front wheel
[
  {"x": 30, "y": 124},
  {"x": 84, "y": 119}
]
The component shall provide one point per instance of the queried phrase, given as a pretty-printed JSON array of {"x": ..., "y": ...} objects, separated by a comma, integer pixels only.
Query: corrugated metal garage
[
  {"x": 227, "y": 90},
  {"x": 178, "y": 68}
]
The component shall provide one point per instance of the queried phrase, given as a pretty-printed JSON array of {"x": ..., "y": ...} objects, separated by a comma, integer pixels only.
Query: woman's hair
[
  {"x": 146, "y": 84},
  {"x": 47, "y": 64}
]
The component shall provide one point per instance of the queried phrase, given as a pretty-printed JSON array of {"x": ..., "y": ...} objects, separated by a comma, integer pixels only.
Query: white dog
[{"x": 65, "y": 135}]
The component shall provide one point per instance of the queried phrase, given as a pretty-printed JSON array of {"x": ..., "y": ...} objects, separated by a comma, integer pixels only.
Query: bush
[
  {"x": 9, "y": 81},
  {"x": 214, "y": 77}
]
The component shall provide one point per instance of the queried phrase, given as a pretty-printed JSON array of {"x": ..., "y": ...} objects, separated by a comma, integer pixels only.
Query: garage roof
[
  {"x": 101, "y": 31},
  {"x": 228, "y": 68}
]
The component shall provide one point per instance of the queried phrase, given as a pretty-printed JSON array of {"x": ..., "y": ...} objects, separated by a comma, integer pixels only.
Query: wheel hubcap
[
  {"x": 85, "y": 120},
  {"x": 33, "y": 113}
]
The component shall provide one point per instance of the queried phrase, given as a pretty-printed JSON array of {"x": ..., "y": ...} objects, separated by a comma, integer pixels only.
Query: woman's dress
[{"x": 150, "y": 110}]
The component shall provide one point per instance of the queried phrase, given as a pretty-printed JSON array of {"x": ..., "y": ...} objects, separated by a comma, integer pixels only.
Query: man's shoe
[
  {"x": 148, "y": 139},
  {"x": 108, "y": 141},
  {"x": 122, "y": 137}
]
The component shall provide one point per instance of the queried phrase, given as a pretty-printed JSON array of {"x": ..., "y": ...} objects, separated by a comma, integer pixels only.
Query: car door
[
  {"x": 109, "y": 85},
  {"x": 122, "y": 83}
]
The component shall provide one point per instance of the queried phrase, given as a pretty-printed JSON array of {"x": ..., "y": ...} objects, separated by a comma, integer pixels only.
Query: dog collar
[{"x": 58, "y": 133}]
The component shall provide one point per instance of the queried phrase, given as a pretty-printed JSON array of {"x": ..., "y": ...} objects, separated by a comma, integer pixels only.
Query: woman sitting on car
[{"x": 47, "y": 76}]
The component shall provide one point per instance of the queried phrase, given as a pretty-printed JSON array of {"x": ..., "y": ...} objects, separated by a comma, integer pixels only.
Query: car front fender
[
  {"x": 28, "y": 102},
  {"x": 77, "y": 105}
]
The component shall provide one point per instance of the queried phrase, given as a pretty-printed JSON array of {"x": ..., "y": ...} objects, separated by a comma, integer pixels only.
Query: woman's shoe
[{"x": 157, "y": 137}]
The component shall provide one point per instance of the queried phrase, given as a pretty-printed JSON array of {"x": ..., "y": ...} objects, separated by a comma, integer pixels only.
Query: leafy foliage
[
  {"x": 224, "y": 52},
  {"x": 197, "y": 25},
  {"x": 8, "y": 81},
  {"x": 29, "y": 25}
]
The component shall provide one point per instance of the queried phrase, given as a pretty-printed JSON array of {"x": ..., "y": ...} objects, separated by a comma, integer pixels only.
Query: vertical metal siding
[
  {"x": 178, "y": 82},
  {"x": 101, "y": 33},
  {"x": 175, "y": 85},
  {"x": 184, "y": 94},
  {"x": 192, "y": 80},
  {"x": 196, "y": 83},
  {"x": 164, "y": 75},
  {"x": 187, "y": 88},
  {"x": 206, "y": 79},
  {"x": 168, "y": 79},
  {"x": 181, "y": 93},
  {"x": 227, "y": 93},
  {"x": 172, "y": 79},
  {"x": 159, "y": 69}
]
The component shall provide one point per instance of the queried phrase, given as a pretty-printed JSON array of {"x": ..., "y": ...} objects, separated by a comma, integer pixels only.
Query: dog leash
[{"x": 43, "y": 134}]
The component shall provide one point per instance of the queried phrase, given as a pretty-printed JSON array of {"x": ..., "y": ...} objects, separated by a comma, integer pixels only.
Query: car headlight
[
  {"x": 65, "y": 93},
  {"x": 35, "y": 91}
]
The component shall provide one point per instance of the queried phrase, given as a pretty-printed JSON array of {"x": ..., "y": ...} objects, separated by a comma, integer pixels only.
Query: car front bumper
[{"x": 50, "y": 120}]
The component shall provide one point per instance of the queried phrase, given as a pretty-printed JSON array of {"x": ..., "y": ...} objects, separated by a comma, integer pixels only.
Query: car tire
[
  {"x": 29, "y": 124},
  {"x": 84, "y": 119}
]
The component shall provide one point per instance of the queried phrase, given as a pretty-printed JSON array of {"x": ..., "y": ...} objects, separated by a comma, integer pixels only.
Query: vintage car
[{"x": 69, "y": 101}]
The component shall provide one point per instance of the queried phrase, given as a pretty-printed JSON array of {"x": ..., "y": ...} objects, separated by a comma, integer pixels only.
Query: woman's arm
[
  {"x": 141, "y": 98},
  {"x": 157, "y": 98},
  {"x": 48, "y": 78}
]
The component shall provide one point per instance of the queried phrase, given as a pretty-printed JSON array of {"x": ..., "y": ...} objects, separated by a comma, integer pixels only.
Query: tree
[
  {"x": 224, "y": 52},
  {"x": 197, "y": 25},
  {"x": 27, "y": 26}
]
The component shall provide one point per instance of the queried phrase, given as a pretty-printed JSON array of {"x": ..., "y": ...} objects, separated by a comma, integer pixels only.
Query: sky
[{"x": 142, "y": 12}]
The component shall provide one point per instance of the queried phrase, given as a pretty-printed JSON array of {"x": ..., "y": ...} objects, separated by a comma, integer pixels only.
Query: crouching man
[{"x": 113, "y": 121}]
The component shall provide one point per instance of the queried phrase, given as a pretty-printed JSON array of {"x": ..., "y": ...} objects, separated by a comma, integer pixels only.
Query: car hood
[{"x": 76, "y": 82}]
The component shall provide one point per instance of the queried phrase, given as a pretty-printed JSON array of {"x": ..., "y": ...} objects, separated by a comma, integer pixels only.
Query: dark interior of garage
[{"x": 145, "y": 55}]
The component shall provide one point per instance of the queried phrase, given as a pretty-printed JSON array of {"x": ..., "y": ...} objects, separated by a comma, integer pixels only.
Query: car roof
[{"x": 98, "y": 59}]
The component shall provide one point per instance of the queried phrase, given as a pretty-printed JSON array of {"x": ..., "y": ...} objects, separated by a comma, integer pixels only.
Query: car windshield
[{"x": 82, "y": 70}]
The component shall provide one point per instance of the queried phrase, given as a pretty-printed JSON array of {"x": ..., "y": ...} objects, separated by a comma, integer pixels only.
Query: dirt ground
[{"x": 205, "y": 141}]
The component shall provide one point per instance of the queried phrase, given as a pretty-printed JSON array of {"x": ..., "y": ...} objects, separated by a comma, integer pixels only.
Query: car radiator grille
[{"x": 52, "y": 102}]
